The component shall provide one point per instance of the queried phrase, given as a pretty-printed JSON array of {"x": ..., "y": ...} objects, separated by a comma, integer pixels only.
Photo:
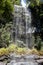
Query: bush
[
  {"x": 4, "y": 51},
  {"x": 6, "y": 9},
  {"x": 19, "y": 51},
  {"x": 38, "y": 43},
  {"x": 12, "y": 48},
  {"x": 5, "y": 35}
]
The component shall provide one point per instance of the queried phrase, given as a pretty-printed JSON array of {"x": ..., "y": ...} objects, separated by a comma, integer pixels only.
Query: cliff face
[{"x": 22, "y": 29}]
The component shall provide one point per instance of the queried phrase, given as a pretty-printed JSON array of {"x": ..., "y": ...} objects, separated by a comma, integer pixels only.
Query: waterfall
[
  {"x": 28, "y": 22},
  {"x": 22, "y": 29},
  {"x": 23, "y": 3}
]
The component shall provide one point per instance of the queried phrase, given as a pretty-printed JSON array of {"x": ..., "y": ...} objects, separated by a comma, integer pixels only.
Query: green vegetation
[
  {"x": 37, "y": 12},
  {"x": 17, "y": 2},
  {"x": 6, "y": 10},
  {"x": 18, "y": 50},
  {"x": 5, "y": 35},
  {"x": 6, "y": 16}
]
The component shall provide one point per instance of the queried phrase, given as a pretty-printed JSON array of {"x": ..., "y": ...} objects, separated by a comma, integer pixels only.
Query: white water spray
[
  {"x": 23, "y": 3},
  {"x": 22, "y": 25},
  {"x": 28, "y": 20}
]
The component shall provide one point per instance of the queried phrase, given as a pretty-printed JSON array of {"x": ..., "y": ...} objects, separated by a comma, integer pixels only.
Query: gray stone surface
[
  {"x": 2, "y": 63},
  {"x": 22, "y": 60},
  {"x": 23, "y": 63}
]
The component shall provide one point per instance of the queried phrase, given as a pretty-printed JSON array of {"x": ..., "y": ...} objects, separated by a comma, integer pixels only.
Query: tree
[
  {"x": 37, "y": 13},
  {"x": 6, "y": 10},
  {"x": 6, "y": 16}
]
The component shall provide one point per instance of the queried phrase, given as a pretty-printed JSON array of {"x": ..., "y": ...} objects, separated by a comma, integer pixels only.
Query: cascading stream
[
  {"x": 28, "y": 21},
  {"x": 22, "y": 33},
  {"x": 23, "y": 3},
  {"x": 22, "y": 29}
]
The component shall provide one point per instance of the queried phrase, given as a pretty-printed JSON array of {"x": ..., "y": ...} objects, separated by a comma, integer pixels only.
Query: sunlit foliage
[{"x": 19, "y": 51}]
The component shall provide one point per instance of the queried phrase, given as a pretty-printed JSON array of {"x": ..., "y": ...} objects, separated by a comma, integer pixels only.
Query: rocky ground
[{"x": 14, "y": 59}]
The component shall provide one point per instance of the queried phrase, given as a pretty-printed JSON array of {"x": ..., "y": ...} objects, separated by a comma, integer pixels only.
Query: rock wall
[{"x": 22, "y": 30}]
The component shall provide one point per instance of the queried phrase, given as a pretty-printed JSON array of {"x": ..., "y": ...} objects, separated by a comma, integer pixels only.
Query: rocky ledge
[{"x": 14, "y": 59}]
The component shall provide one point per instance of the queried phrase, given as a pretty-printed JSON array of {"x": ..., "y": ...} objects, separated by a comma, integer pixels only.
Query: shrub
[
  {"x": 3, "y": 51},
  {"x": 41, "y": 53},
  {"x": 15, "y": 49},
  {"x": 12, "y": 48},
  {"x": 5, "y": 35},
  {"x": 21, "y": 50},
  {"x": 38, "y": 43},
  {"x": 34, "y": 51}
]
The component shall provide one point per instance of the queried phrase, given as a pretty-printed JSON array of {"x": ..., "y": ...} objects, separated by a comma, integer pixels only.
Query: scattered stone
[
  {"x": 14, "y": 59},
  {"x": 2, "y": 58},
  {"x": 2, "y": 63}
]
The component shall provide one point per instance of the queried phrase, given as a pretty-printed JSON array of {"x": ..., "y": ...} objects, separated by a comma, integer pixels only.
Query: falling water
[
  {"x": 22, "y": 29},
  {"x": 22, "y": 33},
  {"x": 28, "y": 22},
  {"x": 23, "y": 3}
]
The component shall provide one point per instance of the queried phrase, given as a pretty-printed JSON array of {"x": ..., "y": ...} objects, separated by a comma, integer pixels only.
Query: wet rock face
[{"x": 22, "y": 29}]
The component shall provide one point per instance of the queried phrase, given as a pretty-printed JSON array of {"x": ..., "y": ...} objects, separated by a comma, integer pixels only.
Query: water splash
[{"x": 23, "y": 3}]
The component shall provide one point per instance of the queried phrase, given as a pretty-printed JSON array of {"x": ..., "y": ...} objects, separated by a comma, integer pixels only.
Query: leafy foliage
[
  {"x": 38, "y": 43},
  {"x": 17, "y": 2},
  {"x": 19, "y": 51},
  {"x": 5, "y": 35},
  {"x": 6, "y": 16},
  {"x": 35, "y": 2},
  {"x": 6, "y": 10},
  {"x": 37, "y": 13}
]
